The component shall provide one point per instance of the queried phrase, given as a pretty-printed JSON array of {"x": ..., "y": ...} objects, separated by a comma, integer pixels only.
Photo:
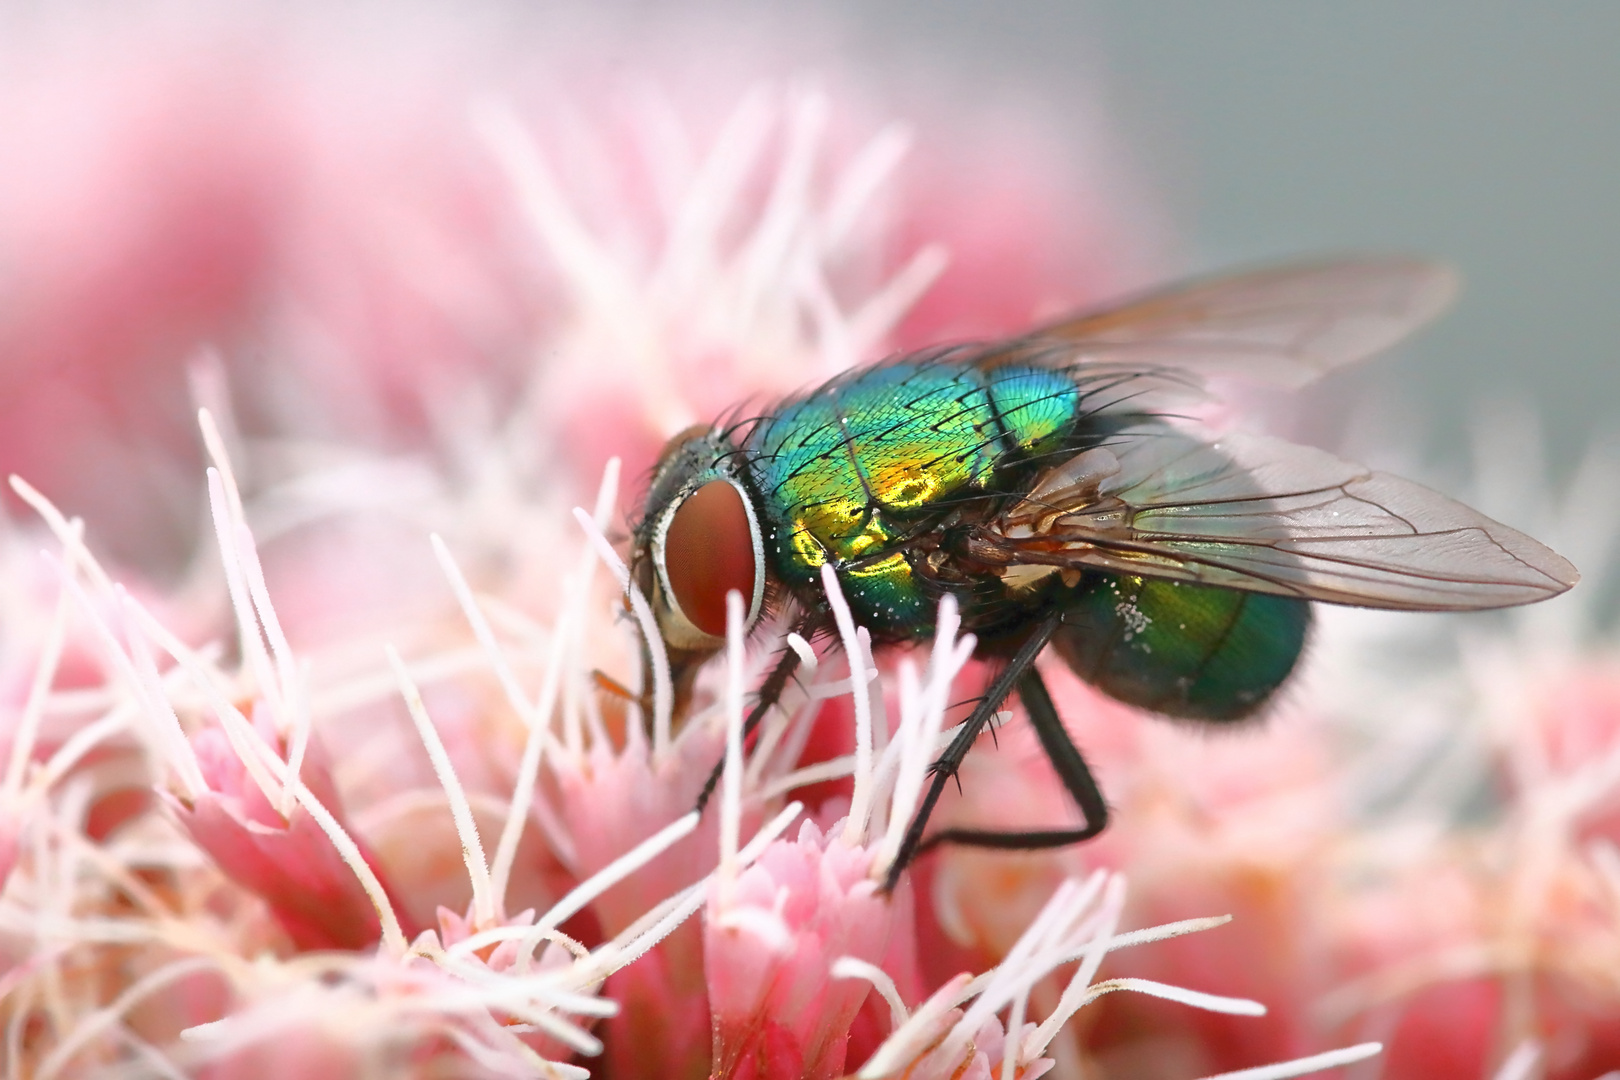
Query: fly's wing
[
  {"x": 1264, "y": 515},
  {"x": 1282, "y": 325}
]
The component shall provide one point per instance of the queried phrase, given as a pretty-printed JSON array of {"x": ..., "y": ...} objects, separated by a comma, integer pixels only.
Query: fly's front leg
[{"x": 770, "y": 692}]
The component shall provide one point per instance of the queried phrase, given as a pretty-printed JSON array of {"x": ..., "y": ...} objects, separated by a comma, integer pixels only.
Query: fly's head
[{"x": 699, "y": 539}]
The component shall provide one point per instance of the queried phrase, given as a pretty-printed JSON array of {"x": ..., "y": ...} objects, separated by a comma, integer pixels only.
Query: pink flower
[
  {"x": 767, "y": 938},
  {"x": 289, "y": 862},
  {"x": 367, "y": 781}
]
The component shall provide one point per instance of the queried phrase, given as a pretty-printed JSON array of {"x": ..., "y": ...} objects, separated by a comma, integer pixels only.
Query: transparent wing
[
  {"x": 1264, "y": 515},
  {"x": 1284, "y": 325}
]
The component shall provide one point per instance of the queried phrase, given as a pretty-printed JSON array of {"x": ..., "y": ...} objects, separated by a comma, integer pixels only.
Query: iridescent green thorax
[{"x": 848, "y": 473}]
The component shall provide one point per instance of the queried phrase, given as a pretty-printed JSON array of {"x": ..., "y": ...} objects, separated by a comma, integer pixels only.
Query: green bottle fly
[{"x": 1055, "y": 485}]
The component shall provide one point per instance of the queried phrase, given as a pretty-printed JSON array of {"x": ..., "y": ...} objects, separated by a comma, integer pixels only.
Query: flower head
[{"x": 383, "y": 770}]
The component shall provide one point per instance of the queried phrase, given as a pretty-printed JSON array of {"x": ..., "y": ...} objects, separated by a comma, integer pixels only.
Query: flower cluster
[
  {"x": 255, "y": 900},
  {"x": 363, "y": 778}
]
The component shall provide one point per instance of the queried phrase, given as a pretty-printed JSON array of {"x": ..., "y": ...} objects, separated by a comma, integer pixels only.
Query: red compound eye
[{"x": 709, "y": 550}]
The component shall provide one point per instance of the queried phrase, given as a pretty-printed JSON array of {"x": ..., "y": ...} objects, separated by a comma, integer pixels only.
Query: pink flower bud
[
  {"x": 287, "y": 861},
  {"x": 770, "y": 937}
]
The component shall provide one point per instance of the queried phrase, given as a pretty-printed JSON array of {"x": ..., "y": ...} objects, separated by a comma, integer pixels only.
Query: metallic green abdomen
[
  {"x": 848, "y": 473},
  {"x": 1192, "y": 651}
]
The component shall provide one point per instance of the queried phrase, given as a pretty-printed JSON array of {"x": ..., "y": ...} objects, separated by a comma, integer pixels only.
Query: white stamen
[
  {"x": 609, "y": 876},
  {"x": 775, "y": 743},
  {"x": 586, "y": 263},
  {"x": 1522, "y": 1063},
  {"x": 852, "y": 967},
  {"x": 259, "y": 760},
  {"x": 499, "y": 1062},
  {"x": 252, "y": 751},
  {"x": 663, "y": 687},
  {"x": 70, "y": 534},
  {"x": 647, "y": 931},
  {"x": 162, "y": 723},
  {"x": 255, "y": 656},
  {"x": 908, "y": 767},
  {"x": 832, "y": 769},
  {"x": 1075, "y": 994},
  {"x": 861, "y": 178},
  {"x": 484, "y": 899},
  {"x": 107, "y": 863},
  {"x": 1605, "y": 858},
  {"x": 690, "y": 252},
  {"x": 99, "y": 1021},
  {"x": 451, "y": 1002},
  {"x": 214, "y": 443},
  {"x": 246, "y": 551},
  {"x": 922, "y": 718},
  {"x": 840, "y": 767},
  {"x": 1210, "y": 1002},
  {"x": 572, "y": 719},
  {"x": 787, "y": 736},
  {"x": 77, "y": 745},
  {"x": 732, "y": 775},
  {"x": 159, "y": 1063},
  {"x": 536, "y": 719},
  {"x": 861, "y": 801},
  {"x": 513, "y": 932},
  {"x": 293, "y": 722},
  {"x": 913, "y": 1038},
  {"x": 1151, "y": 934},
  {"x": 22, "y": 1007},
  {"x": 1022, "y": 965},
  {"x": 161, "y": 711},
  {"x": 22, "y": 744},
  {"x": 1306, "y": 1065},
  {"x": 830, "y": 329},
  {"x": 374, "y": 687},
  {"x": 768, "y": 835},
  {"x": 880, "y": 708},
  {"x": 1074, "y": 913},
  {"x": 771, "y": 245},
  {"x": 807, "y": 656},
  {"x": 173, "y": 745},
  {"x": 302, "y": 724},
  {"x": 393, "y": 935},
  {"x": 876, "y": 319}
]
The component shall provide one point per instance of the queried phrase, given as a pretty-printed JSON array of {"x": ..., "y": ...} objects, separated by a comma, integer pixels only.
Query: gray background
[{"x": 1484, "y": 133}]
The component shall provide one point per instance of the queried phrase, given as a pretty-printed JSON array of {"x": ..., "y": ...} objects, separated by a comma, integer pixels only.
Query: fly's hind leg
[
  {"x": 1066, "y": 762},
  {"x": 1019, "y": 674}
]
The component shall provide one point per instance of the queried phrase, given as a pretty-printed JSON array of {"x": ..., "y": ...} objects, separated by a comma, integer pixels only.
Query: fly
[{"x": 1049, "y": 482}]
